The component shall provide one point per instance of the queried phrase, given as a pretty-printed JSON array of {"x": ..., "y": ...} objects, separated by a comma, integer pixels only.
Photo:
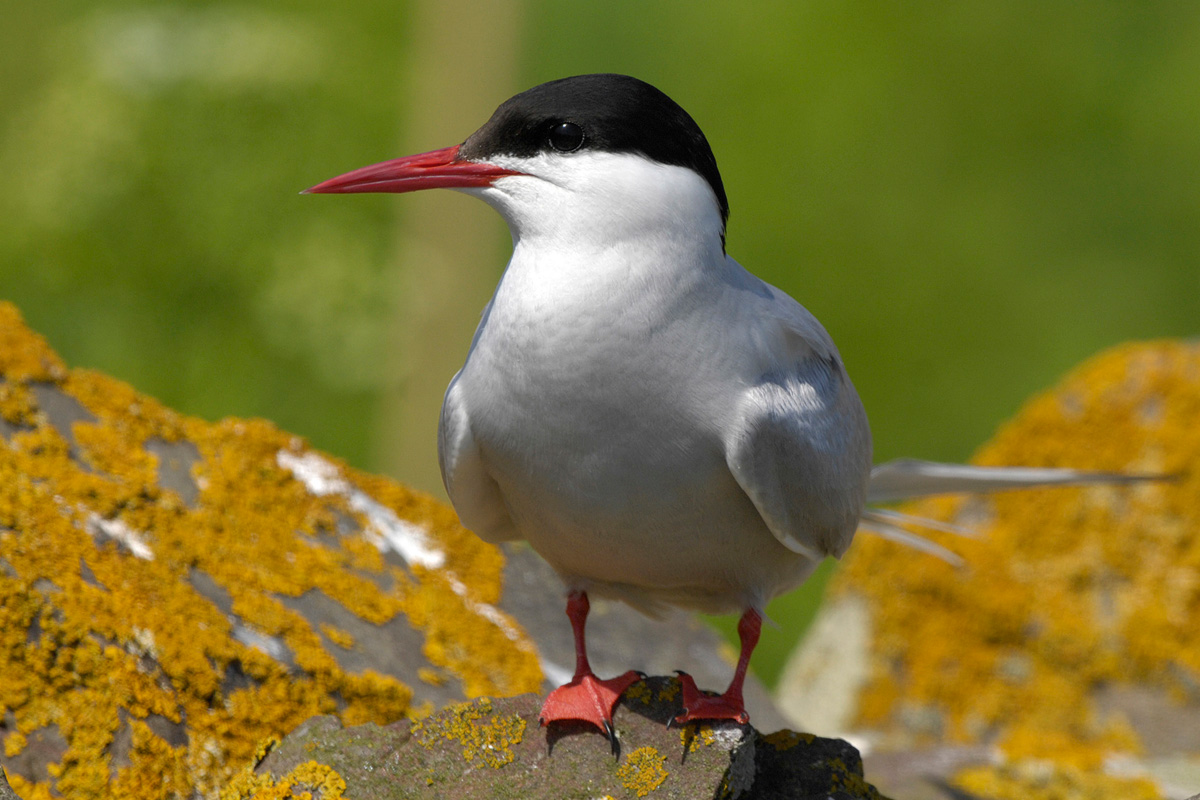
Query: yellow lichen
[
  {"x": 1064, "y": 590},
  {"x": 14, "y": 743},
  {"x": 786, "y": 740},
  {"x": 25, "y": 356},
  {"x": 641, "y": 772},
  {"x": 99, "y": 562},
  {"x": 431, "y": 676},
  {"x": 490, "y": 740},
  {"x": 28, "y": 790},
  {"x": 850, "y": 781},
  {"x": 669, "y": 690},
  {"x": 696, "y": 735},
  {"x": 308, "y": 781},
  {"x": 156, "y": 768},
  {"x": 639, "y": 692}
]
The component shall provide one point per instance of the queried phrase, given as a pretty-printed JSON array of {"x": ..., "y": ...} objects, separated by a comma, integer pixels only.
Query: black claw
[
  {"x": 641, "y": 674},
  {"x": 612, "y": 737},
  {"x": 680, "y": 672}
]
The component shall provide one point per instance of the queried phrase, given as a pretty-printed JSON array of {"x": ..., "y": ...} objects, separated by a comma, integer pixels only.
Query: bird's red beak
[{"x": 438, "y": 169}]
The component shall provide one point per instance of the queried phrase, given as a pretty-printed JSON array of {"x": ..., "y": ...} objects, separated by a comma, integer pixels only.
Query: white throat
[{"x": 593, "y": 202}]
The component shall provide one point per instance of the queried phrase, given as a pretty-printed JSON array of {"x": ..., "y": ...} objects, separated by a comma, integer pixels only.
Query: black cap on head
[{"x": 613, "y": 113}]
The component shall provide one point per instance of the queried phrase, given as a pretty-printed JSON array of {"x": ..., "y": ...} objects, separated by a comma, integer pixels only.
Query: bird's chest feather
[{"x": 566, "y": 379}]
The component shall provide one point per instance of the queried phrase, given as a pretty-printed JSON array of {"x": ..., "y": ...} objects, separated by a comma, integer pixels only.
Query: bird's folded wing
[
  {"x": 905, "y": 478},
  {"x": 474, "y": 493},
  {"x": 799, "y": 448}
]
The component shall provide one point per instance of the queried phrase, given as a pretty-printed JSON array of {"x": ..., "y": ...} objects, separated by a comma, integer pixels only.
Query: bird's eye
[{"x": 565, "y": 137}]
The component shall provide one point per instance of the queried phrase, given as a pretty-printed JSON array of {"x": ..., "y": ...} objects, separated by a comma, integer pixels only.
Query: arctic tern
[{"x": 662, "y": 426}]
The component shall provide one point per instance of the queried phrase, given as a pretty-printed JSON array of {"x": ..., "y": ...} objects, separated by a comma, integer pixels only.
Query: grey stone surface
[{"x": 494, "y": 748}]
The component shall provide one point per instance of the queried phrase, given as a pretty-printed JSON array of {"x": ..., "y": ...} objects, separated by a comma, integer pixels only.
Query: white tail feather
[
  {"x": 910, "y": 477},
  {"x": 882, "y": 525},
  {"x": 900, "y": 518},
  {"x": 905, "y": 478}
]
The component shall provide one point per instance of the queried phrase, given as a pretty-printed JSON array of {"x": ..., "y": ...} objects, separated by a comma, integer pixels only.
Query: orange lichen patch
[
  {"x": 1064, "y": 589},
  {"x": 14, "y": 743},
  {"x": 482, "y": 735},
  {"x": 102, "y": 618},
  {"x": 17, "y": 404},
  {"x": 308, "y": 781},
  {"x": 1038, "y": 778},
  {"x": 343, "y": 639},
  {"x": 431, "y": 676},
  {"x": 641, "y": 772},
  {"x": 490, "y": 658},
  {"x": 156, "y": 769},
  {"x": 372, "y": 697},
  {"x": 28, "y": 790},
  {"x": 110, "y": 451},
  {"x": 25, "y": 356}
]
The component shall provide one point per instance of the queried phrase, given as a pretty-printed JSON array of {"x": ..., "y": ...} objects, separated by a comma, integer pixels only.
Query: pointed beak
[{"x": 438, "y": 169}]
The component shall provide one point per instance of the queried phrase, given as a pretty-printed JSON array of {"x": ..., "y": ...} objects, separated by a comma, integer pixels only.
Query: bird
[{"x": 662, "y": 426}]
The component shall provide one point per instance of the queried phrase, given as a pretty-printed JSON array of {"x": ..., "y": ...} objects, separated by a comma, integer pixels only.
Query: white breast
[
  {"x": 601, "y": 379},
  {"x": 610, "y": 457}
]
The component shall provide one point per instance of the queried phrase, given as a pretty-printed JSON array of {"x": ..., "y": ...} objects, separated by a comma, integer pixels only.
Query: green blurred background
[{"x": 973, "y": 198}]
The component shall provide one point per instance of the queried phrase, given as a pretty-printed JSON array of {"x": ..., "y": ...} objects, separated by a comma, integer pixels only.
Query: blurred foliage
[
  {"x": 973, "y": 198},
  {"x": 154, "y": 229}
]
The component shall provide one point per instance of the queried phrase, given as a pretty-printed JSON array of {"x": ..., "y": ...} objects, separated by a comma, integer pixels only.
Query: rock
[
  {"x": 173, "y": 592},
  {"x": 1063, "y": 655},
  {"x": 6, "y": 792},
  {"x": 494, "y": 748}
]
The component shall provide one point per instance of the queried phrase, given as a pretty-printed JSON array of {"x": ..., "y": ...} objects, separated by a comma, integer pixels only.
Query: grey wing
[
  {"x": 800, "y": 448},
  {"x": 473, "y": 492}
]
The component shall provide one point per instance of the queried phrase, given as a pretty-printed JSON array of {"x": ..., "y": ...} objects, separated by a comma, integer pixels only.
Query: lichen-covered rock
[
  {"x": 173, "y": 592},
  {"x": 495, "y": 749},
  {"x": 1068, "y": 640}
]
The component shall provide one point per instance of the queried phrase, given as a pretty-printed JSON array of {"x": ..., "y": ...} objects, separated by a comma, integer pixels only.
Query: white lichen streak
[
  {"x": 488, "y": 612},
  {"x": 323, "y": 478},
  {"x": 117, "y": 530},
  {"x": 272, "y": 646},
  {"x": 388, "y": 532},
  {"x": 556, "y": 674}
]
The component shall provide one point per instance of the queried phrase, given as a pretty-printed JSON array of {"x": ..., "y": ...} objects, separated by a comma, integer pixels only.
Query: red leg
[
  {"x": 697, "y": 705},
  {"x": 586, "y": 697}
]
